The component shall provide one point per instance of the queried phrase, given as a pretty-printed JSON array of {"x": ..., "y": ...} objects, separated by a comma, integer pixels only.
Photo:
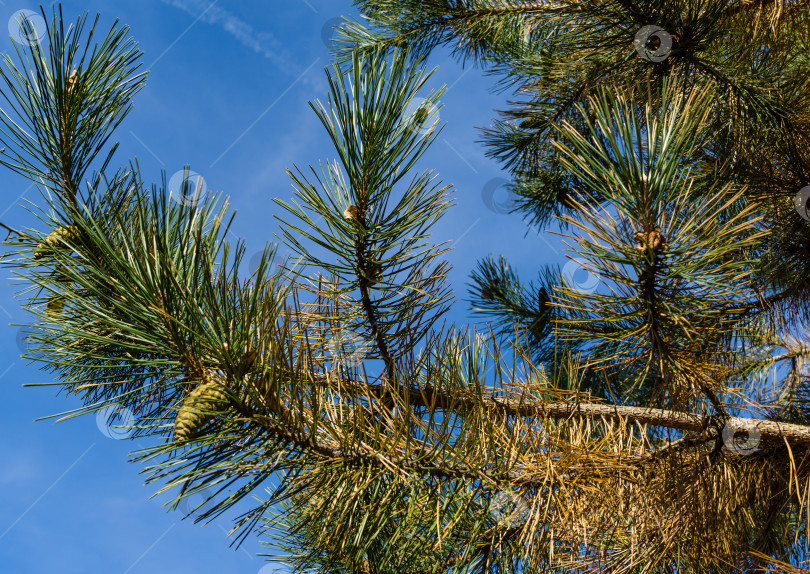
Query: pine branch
[
  {"x": 429, "y": 396},
  {"x": 144, "y": 307}
]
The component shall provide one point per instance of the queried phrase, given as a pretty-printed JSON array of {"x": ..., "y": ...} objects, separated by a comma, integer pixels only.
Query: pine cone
[
  {"x": 530, "y": 124},
  {"x": 373, "y": 272},
  {"x": 55, "y": 305},
  {"x": 206, "y": 397},
  {"x": 67, "y": 233}
]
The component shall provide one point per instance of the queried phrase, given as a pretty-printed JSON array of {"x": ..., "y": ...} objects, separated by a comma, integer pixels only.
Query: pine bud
[
  {"x": 71, "y": 82},
  {"x": 351, "y": 213},
  {"x": 640, "y": 237},
  {"x": 653, "y": 240},
  {"x": 191, "y": 416}
]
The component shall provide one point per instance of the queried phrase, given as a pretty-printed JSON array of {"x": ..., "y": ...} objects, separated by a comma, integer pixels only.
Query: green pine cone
[
  {"x": 67, "y": 233},
  {"x": 55, "y": 305},
  {"x": 190, "y": 418}
]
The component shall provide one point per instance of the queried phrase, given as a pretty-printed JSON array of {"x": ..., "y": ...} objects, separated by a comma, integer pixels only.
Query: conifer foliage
[{"x": 655, "y": 419}]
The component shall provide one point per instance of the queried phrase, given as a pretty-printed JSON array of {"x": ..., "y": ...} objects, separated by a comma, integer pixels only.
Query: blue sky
[{"x": 227, "y": 94}]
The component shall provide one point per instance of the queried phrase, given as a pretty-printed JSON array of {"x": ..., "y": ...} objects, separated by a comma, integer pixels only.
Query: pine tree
[
  {"x": 671, "y": 158},
  {"x": 678, "y": 182}
]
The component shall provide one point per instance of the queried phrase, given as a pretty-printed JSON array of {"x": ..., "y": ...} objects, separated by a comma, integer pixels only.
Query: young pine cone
[
  {"x": 374, "y": 272},
  {"x": 192, "y": 415},
  {"x": 55, "y": 305},
  {"x": 67, "y": 233}
]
